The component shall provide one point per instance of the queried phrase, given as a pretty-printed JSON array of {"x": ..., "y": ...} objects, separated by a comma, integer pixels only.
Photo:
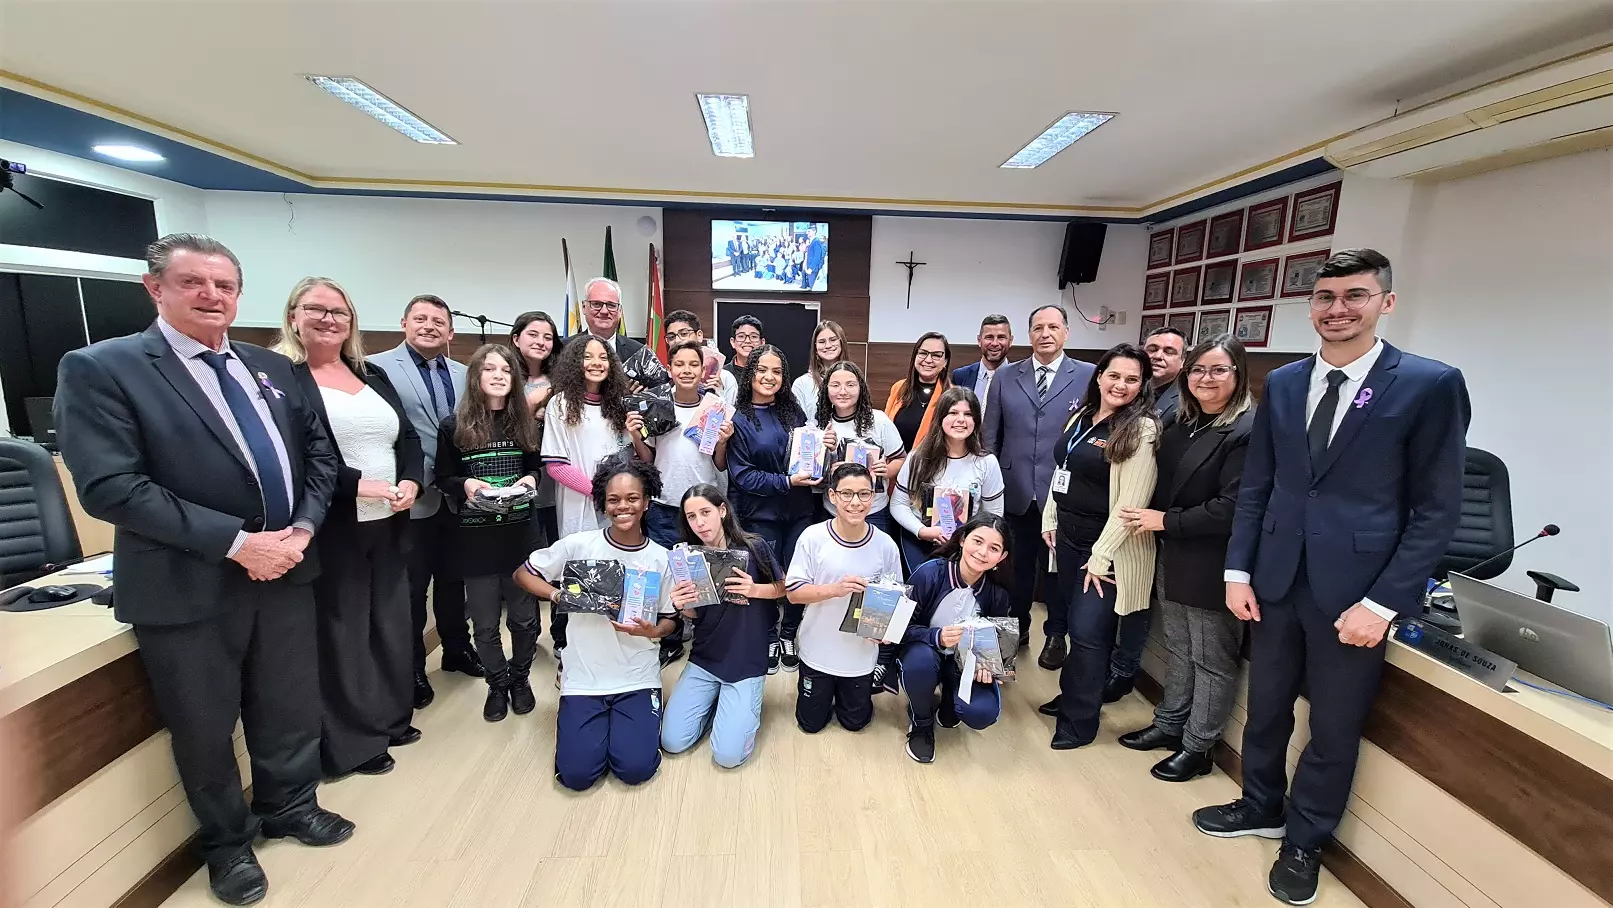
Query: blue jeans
[
  {"x": 1132, "y": 636},
  {"x": 701, "y": 700},
  {"x": 924, "y": 668},
  {"x": 661, "y": 524},
  {"x": 1091, "y": 620},
  {"x": 781, "y": 536},
  {"x": 618, "y": 733}
]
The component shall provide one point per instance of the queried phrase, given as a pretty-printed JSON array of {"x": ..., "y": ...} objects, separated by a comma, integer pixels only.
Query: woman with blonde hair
[
  {"x": 828, "y": 348},
  {"x": 366, "y": 656}
]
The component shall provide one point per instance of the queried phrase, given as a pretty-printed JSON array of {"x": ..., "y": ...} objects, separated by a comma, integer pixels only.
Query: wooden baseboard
[{"x": 1356, "y": 876}]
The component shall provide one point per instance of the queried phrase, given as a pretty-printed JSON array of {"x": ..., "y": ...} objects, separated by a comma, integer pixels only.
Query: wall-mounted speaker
[{"x": 1083, "y": 247}]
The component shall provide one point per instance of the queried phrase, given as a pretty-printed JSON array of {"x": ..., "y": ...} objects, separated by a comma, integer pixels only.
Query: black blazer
[
  {"x": 343, "y": 514},
  {"x": 1199, "y": 506},
  {"x": 150, "y": 455}
]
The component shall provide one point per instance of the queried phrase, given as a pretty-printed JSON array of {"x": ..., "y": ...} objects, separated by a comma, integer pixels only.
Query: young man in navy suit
[{"x": 1351, "y": 494}]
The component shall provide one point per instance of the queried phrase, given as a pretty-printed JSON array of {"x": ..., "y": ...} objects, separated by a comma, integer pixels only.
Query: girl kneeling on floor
[
  {"x": 610, "y": 686},
  {"x": 968, "y": 578},
  {"x": 721, "y": 689}
]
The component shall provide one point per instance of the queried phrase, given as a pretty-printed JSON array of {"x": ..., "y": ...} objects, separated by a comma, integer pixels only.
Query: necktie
[
  {"x": 1321, "y": 428},
  {"x": 446, "y": 406},
  {"x": 1043, "y": 379},
  {"x": 271, "y": 481}
]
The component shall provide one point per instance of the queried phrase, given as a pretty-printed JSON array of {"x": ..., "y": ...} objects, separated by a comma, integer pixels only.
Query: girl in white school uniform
[
  {"x": 846, "y": 412},
  {"x": 609, "y": 719},
  {"x": 584, "y": 422},
  {"x": 828, "y": 348},
  {"x": 949, "y": 455}
]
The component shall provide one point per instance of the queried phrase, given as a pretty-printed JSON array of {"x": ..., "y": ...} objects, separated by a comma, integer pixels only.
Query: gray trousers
[
  {"x": 485, "y": 598},
  {"x": 1201, "y": 675}
]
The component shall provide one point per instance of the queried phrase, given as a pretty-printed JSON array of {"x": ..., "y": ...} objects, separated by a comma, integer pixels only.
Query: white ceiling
[{"x": 852, "y": 101}]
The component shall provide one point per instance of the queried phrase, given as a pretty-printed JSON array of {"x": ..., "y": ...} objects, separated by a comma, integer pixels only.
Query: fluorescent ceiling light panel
[
  {"x": 382, "y": 108},
  {"x": 128, "y": 153},
  {"x": 1056, "y": 138},
  {"x": 728, "y": 125}
]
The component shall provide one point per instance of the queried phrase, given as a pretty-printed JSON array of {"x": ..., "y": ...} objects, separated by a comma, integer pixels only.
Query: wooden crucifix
[{"x": 911, "y": 266}]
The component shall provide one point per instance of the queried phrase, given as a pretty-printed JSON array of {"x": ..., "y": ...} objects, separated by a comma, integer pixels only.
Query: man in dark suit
[
  {"x": 1025, "y": 416},
  {"x": 817, "y": 253},
  {"x": 994, "y": 340},
  {"x": 1351, "y": 493},
  {"x": 215, "y": 472},
  {"x": 602, "y": 310}
]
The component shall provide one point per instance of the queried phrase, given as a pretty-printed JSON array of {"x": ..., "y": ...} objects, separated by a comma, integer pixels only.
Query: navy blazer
[
  {"x": 964, "y": 376},
  {"x": 1023, "y": 429},
  {"x": 1374, "y": 517},
  {"x": 150, "y": 455}
]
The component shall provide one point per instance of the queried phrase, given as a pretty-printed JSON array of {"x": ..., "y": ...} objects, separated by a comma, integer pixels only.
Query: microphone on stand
[
  {"x": 1550, "y": 529},
  {"x": 482, "y": 321}
]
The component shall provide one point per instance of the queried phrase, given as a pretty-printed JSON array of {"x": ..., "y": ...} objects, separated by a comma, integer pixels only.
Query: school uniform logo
[
  {"x": 655, "y": 702},
  {"x": 806, "y": 686}
]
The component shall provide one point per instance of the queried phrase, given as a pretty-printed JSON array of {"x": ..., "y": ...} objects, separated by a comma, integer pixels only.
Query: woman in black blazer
[
  {"x": 1200, "y": 458},
  {"x": 366, "y": 653}
]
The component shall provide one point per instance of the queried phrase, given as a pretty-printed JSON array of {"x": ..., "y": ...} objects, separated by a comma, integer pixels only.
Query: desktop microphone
[{"x": 1550, "y": 529}]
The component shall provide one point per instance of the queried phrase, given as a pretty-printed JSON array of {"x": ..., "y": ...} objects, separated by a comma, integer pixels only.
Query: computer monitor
[
  {"x": 40, "y": 420},
  {"x": 1566, "y": 648}
]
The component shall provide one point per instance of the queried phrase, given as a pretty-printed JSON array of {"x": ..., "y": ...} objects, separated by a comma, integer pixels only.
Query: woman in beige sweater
[{"x": 1104, "y": 462}]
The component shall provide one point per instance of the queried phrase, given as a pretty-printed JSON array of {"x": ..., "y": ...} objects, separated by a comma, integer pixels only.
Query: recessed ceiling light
[
  {"x": 1056, "y": 138},
  {"x": 129, "y": 153},
  {"x": 728, "y": 125},
  {"x": 382, "y": 108}
]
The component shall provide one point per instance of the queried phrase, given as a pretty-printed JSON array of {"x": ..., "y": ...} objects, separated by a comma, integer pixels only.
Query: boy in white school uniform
[{"x": 834, "y": 560}]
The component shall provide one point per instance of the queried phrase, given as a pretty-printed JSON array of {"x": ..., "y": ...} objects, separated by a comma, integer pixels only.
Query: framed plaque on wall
[
  {"x": 1299, "y": 272},
  {"x": 1156, "y": 290},
  {"x": 1252, "y": 326},
  {"x": 1148, "y": 323},
  {"x": 1257, "y": 280},
  {"x": 1213, "y": 323},
  {"x": 1315, "y": 213},
  {"x": 1160, "y": 247},
  {"x": 1183, "y": 322},
  {"x": 1190, "y": 243},
  {"x": 1226, "y": 232},
  {"x": 1265, "y": 225},
  {"x": 1220, "y": 280},
  {"x": 1185, "y": 287}
]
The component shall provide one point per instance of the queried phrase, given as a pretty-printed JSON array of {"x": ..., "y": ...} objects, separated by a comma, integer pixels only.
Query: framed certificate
[
  {"x": 1265, "y": 225},
  {"x": 1220, "y": 280},
  {"x": 1185, "y": 287},
  {"x": 1190, "y": 243},
  {"x": 1148, "y": 323},
  {"x": 1156, "y": 290},
  {"x": 1160, "y": 247},
  {"x": 1252, "y": 326},
  {"x": 1226, "y": 233},
  {"x": 1183, "y": 322},
  {"x": 1213, "y": 323},
  {"x": 1257, "y": 280},
  {"x": 1315, "y": 212},
  {"x": 1299, "y": 272}
]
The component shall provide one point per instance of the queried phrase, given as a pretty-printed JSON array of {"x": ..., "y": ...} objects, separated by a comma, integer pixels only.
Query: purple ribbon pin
[
  {"x": 263, "y": 380},
  {"x": 1364, "y": 398}
]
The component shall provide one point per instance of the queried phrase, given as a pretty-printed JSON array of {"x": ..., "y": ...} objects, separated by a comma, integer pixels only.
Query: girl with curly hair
[{"x": 586, "y": 421}]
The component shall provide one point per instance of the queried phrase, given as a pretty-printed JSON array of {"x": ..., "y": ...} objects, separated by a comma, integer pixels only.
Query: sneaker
[
  {"x": 1294, "y": 876},
  {"x": 773, "y": 652},
  {"x": 946, "y": 714},
  {"x": 887, "y": 678},
  {"x": 1239, "y": 818},
  {"x": 789, "y": 659},
  {"x": 921, "y": 743}
]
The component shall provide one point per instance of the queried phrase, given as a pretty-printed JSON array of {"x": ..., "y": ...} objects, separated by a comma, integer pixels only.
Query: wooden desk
[
  {"x": 1465, "y": 797},
  {"x": 93, "y": 535}
]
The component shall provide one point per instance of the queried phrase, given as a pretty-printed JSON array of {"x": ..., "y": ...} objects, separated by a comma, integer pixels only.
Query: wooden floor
[{"x": 473, "y": 817}]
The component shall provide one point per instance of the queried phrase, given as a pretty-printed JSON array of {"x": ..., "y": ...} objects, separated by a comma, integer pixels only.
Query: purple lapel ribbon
[
  {"x": 1364, "y": 398},
  {"x": 263, "y": 380}
]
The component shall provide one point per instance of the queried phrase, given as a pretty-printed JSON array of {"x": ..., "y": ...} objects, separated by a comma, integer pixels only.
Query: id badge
[{"x": 1061, "y": 481}]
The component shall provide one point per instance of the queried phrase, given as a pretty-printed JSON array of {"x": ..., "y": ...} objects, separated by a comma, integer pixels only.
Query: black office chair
[
  {"x": 36, "y": 527},
  {"x": 1485, "y": 529}
]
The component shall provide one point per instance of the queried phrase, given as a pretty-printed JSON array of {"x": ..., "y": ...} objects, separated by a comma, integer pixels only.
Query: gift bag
[
  {"x": 644, "y": 368},
  {"x": 592, "y": 586}
]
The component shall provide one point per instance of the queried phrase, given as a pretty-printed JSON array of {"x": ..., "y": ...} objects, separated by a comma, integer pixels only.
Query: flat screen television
[{"x": 784, "y": 256}]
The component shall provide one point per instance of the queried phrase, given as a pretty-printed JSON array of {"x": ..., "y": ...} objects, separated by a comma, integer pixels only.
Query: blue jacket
[
  {"x": 1374, "y": 517},
  {"x": 757, "y": 459},
  {"x": 964, "y": 376},
  {"x": 1023, "y": 429},
  {"x": 931, "y": 583}
]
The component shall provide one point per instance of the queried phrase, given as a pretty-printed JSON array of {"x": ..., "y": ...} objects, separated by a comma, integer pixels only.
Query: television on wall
[{"x": 785, "y": 256}]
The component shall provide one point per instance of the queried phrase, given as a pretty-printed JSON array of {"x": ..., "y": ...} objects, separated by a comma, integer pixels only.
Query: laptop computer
[
  {"x": 40, "y": 420},
  {"x": 1566, "y": 648}
]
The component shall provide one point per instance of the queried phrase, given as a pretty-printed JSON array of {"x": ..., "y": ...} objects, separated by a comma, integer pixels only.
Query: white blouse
[{"x": 366, "y": 430}]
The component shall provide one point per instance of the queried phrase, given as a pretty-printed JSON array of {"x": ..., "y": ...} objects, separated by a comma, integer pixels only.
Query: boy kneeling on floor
[
  {"x": 610, "y": 685},
  {"x": 834, "y": 560}
]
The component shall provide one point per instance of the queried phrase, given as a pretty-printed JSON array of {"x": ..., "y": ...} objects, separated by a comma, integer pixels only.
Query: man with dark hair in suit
[
  {"x": 994, "y": 340},
  {"x": 215, "y": 472},
  {"x": 1025, "y": 414},
  {"x": 817, "y": 253},
  {"x": 1351, "y": 493}
]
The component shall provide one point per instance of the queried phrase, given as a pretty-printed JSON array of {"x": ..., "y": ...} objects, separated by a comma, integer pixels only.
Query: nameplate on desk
[{"x": 1470, "y": 659}]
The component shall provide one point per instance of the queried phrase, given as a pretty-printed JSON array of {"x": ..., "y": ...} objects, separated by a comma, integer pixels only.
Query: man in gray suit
[
  {"x": 1025, "y": 414},
  {"x": 430, "y": 384}
]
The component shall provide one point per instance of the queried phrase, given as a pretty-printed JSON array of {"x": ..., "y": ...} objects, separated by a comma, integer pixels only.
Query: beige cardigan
[{"x": 1131, "y": 555}]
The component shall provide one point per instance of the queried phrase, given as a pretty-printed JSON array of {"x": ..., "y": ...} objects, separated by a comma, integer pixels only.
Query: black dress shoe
[
  {"x": 317, "y": 826},
  {"x": 239, "y": 881},
  {"x": 376, "y": 766},
  {"x": 1117, "y": 687},
  {"x": 409, "y": 736},
  {"x": 423, "y": 694},
  {"x": 1183, "y": 766},
  {"x": 461, "y": 659},
  {"x": 1050, "y": 708},
  {"x": 1054, "y": 652},
  {"x": 1295, "y": 873},
  {"x": 1063, "y": 740},
  {"x": 1151, "y": 738}
]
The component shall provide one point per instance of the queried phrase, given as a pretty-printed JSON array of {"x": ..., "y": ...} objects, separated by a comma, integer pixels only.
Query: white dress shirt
[
  {"x": 983, "y": 383},
  {"x": 1052, "y": 367},
  {"x": 1355, "y": 374},
  {"x": 190, "y": 353}
]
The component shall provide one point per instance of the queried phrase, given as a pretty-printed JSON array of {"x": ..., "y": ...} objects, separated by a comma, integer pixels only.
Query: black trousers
[
  {"x": 1294, "y": 643},
  {"x": 490, "y": 596},
  {"x": 818, "y": 695},
  {"x": 255, "y": 661},
  {"x": 1030, "y": 564},
  {"x": 1092, "y": 621},
  {"x": 431, "y": 566},
  {"x": 365, "y": 655}
]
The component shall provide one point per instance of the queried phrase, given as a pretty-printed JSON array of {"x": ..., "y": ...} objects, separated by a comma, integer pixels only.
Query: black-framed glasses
[
  {"x": 320, "y": 313},
  {"x": 930, "y": 354},
  {"x": 752, "y": 338},
  {"x": 1216, "y": 372},
  {"x": 602, "y": 305},
  {"x": 680, "y": 336},
  {"x": 1323, "y": 300},
  {"x": 862, "y": 495}
]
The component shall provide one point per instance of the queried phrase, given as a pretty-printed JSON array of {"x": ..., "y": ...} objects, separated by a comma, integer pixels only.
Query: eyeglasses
[
  {"x": 860, "y": 495},
  {"x": 1215, "y": 372},
  {"x": 602, "y": 305},
  {"x": 319, "y": 313},
  {"x": 677, "y": 336},
  {"x": 930, "y": 354},
  {"x": 1323, "y": 300},
  {"x": 748, "y": 336}
]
